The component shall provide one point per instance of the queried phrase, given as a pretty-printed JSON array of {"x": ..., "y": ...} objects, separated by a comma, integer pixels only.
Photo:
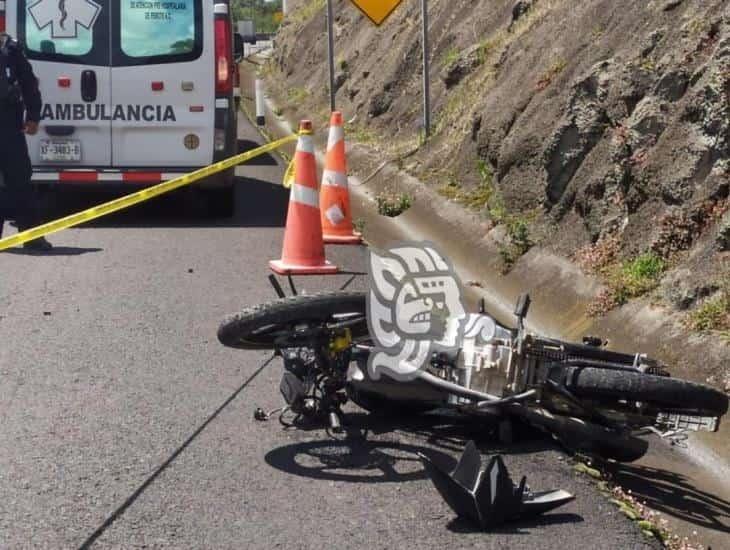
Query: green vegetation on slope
[{"x": 261, "y": 12}]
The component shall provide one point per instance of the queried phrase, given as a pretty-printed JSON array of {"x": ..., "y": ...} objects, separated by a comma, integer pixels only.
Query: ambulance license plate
[{"x": 67, "y": 150}]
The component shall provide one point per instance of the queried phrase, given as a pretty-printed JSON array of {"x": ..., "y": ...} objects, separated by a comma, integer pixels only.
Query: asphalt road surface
[{"x": 125, "y": 424}]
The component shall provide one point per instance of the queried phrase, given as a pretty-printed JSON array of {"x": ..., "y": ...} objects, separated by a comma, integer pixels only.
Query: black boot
[{"x": 28, "y": 221}]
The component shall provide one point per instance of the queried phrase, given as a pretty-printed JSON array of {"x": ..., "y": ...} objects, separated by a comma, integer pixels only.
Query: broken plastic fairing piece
[{"x": 489, "y": 498}]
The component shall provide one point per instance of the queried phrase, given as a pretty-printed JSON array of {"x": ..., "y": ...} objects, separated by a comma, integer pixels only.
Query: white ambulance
[{"x": 134, "y": 91}]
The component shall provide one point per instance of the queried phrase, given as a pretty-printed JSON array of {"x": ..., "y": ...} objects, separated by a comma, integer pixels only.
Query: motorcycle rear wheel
[{"x": 260, "y": 327}]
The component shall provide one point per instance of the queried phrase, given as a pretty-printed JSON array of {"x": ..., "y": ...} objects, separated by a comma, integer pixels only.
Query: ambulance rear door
[
  {"x": 163, "y": 85},
  {"x": 68, "y": 46}
]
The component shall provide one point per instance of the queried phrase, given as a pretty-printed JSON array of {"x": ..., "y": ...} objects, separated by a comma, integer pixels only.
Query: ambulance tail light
[
  {"x": 2, "y": 22},
  {"x": 223, "y": 53}
]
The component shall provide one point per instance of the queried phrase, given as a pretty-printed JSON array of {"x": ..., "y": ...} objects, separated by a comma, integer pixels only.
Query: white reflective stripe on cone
[
  {"x": 334, "y": 214},
  {"x": 335, "y": 179},
  {"x": 305, "y": 195},
  {"x": 305, "y": 144},
  {"x": 337, "y": 133}
]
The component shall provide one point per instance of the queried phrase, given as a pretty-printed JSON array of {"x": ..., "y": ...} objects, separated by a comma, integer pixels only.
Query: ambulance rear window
[
  {"x": 158, "y": 31},
  {"x": 64, "y": 31},
  {"x": 40, "y": 36}
]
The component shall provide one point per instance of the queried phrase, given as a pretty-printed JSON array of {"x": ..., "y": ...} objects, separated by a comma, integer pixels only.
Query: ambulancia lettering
[{"x": 96, "y": 111}]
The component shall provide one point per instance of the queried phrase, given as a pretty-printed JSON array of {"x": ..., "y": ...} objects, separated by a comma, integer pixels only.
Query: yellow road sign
[
  {"x": 278, "y": 16},
  {"x": 377, "y": 10}
]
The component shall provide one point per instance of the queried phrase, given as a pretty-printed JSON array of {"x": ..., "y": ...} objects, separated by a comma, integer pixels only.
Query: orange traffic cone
[
  {"x": 334, "y": 201},
  {"x": 303, "y": 252}
]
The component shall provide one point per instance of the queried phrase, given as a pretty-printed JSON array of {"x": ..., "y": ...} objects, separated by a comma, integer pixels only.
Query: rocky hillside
[{"x": 599, "y": 129}]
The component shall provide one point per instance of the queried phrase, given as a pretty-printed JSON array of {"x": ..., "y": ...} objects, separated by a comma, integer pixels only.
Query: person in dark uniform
[{"x": 20, "y": 111}]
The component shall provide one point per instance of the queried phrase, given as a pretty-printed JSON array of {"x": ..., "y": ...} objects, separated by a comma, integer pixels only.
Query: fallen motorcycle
[{"x": 591, "y": 399}]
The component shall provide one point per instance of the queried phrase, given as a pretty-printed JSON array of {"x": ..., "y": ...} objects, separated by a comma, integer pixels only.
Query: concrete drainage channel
[{"x": 560, "y": 292}]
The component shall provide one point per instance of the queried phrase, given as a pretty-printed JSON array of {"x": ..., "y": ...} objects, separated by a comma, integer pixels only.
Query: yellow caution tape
[
  {"x": 136, "y": 198},
  {"x": 289, "y": 175}
]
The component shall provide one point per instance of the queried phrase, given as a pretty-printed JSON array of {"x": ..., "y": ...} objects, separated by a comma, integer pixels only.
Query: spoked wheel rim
[
  {"x": 280, "y": 334},
  {"x": 270, "y": 325}
]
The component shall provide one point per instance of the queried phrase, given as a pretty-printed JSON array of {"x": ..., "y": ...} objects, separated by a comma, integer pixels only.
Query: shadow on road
[
  {"x": 258, "y": 203},
  {"x": 57, "y": 251},
  {"x": 357, "y": 459},
  {"x": 462, "y": 526},
  {"x": 352, "y": 460},
  {"x": 263, "y": 160},
  {"x": 674, "y": 495},
  {"x": 362, "y": 459}
]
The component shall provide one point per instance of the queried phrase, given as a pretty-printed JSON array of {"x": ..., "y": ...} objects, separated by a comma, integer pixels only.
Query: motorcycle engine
[
  {"x": 483, "y": 368},
  {"x": 486, "y": 355}
]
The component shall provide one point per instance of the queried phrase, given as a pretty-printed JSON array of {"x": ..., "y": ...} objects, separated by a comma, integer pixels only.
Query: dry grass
[
  {"x": 455, "y": 119},
  {"x": 450, "y": 56},
  {"x": 713, "y": 315},
  {"x": 486, "y": 198},
  {"x": 392, "y": 203},
  {"x": 596, "y": 257},
  {"x": 650, "y": 522},
  {"x": 360, "y": 134},
  {"x": 624, "y": 280},
  {"x": 556, "y": 67},
  {"x": 296, "y": 96},
  {"x": 306, "y": 11}
]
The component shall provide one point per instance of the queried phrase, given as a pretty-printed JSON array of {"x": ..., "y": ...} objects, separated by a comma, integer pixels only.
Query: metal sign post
[
  {"x": 331, "y": 53},
  {"x": 378, "y": 11},
  {"x": 426, "y": 71}
]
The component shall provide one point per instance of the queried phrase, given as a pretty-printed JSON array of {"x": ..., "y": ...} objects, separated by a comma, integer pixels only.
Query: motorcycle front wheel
[{"x": 265, "y": 325}]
